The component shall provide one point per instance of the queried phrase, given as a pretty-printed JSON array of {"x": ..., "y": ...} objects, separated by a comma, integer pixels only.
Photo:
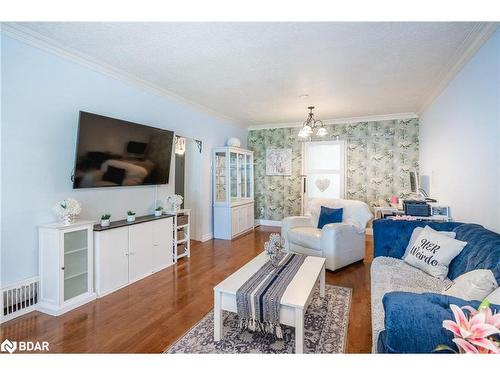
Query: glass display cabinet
[
  {"x": 233, "y": 191},
  {"x": 66, "y": 266}
]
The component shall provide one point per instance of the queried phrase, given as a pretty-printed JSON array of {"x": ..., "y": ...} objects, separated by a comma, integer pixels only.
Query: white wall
[
  {"x": 460, "y": 140},
  {"x": 41, "y": 96}
]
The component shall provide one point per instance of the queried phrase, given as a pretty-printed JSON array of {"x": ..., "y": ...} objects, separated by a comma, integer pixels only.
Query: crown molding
[
  {"x": 471, "y": 44},
  {"x": 34, "y": 39},
  {"x": 343, "y": 120}
]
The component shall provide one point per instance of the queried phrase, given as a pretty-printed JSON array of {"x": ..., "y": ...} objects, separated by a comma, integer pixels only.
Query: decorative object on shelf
[
  {"x": 438, "y": 211},
  {"x": 233, "y": 142},
  {"x": 158, "y": 211},
  {"x": 68, "y": 210},
  {"x": 475, "y": 334},
  {"x": 130, "y": 216},
  {"x": 180, "y": 145},
  {"x": 279, "y": 162},
  {"x": 403, "y": 217},
  {"x": 311, "y": 125},
  {"x": 105, "y": 220},
  {"x": 394, "y": 201},
  {"x": 175, "y": 202},
  {"x": 274, "y": 249}
]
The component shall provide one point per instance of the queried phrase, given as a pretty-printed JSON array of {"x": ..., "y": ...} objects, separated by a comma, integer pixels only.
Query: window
[{"x": 324, "y": 168}]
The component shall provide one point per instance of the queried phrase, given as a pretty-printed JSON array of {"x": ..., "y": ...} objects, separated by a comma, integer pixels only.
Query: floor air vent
[{"x": 19, "y": 299}]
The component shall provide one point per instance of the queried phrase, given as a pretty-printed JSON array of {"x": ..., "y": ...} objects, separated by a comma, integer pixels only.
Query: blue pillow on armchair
[
  {"x": 414, "y": 322},
  {"x": 329, "y": 215}
]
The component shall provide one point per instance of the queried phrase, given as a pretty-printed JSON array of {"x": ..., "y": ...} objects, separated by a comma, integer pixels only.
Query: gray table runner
[{"x": 258, "y": 299}]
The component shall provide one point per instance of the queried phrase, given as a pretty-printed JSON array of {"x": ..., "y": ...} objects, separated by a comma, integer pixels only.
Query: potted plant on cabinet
[
  {"x": 130, "y": 216},
  {"x": 105, "y": 220},
  {"x": 158, "y": 211}
]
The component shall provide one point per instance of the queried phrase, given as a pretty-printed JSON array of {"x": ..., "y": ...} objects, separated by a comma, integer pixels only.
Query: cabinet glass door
[
  {"x": 75, "y": 263},
  {"x": 220, "y": 176},
  {"x": 248, "y": 165},
  {"x": 242, "y": 173},
  {"x": 233, "y": 174}
]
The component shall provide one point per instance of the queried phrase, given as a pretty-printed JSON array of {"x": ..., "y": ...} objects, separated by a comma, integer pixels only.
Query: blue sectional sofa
[{"x": 407, "y": 305}]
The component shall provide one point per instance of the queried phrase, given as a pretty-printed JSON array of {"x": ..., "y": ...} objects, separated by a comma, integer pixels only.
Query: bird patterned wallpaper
[{"x": 379, "y": 156}]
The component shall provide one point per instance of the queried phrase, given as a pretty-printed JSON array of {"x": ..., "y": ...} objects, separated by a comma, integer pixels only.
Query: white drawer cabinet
[{"x": 126, "y": 254}]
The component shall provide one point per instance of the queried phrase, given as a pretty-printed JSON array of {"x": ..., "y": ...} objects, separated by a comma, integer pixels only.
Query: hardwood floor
[{"x": 151, "y": 314}]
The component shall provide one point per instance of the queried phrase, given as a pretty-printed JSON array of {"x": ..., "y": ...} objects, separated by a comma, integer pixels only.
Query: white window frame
[{"x": 341, "y": 172}]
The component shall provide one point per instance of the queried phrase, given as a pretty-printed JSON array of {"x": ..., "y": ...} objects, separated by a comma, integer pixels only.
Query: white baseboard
[
  {"x": 271, "y": 223},
  {"x": 207, "y": 237}
]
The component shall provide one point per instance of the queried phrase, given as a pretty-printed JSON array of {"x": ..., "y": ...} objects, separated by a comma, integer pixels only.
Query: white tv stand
[{"x": 126, "y": 252}]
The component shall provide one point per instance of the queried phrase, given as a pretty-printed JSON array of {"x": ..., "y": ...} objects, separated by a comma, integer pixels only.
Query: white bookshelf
[{"x": 182, "y": 233}]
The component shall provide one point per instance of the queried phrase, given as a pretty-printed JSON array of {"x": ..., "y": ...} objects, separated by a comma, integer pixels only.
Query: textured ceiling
[{"x": 254, "y": 73}]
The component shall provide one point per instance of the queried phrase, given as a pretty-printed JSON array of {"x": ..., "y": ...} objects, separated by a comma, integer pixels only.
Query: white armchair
[{"x": 340, "y": 243}]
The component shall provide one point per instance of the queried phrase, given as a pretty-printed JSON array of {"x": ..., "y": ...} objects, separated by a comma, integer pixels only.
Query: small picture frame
[{"x": 440, "y": 211}]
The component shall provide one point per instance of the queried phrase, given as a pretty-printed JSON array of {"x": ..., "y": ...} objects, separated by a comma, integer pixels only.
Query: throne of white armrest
[{"x": 340, "y": 243}]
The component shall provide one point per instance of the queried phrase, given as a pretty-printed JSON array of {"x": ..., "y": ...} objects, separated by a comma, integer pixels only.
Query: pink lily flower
[{"x": 472, "y": 334}]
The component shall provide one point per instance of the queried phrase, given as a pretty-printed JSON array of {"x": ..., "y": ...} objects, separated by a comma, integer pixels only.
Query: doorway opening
[{"x": 188, "y": 175}]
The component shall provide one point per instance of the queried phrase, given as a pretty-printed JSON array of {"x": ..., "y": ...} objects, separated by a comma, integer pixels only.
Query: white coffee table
[{"x": 294, "y": 302}]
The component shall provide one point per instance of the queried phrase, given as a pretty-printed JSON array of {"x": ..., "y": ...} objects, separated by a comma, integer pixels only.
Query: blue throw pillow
[
  {"x": 329, "y": 215},
  {"x": 414, "y": 322}
]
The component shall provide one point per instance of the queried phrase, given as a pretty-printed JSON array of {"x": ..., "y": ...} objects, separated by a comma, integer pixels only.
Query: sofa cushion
[
  {"x": 414, "y": 322},
  {"x": 433, "y": 252},
  {"x": 309, "y": 237},
  {"x": 391, "y": 274},
  {"x": 329, "y": 215},
  {"x": 494, "y": 297},
  {"x": 355, "y": 212},
  {"x": 482, "y": 251},
  {"x": 472, "y": 285},
  {"x": 417, "y": 231}
]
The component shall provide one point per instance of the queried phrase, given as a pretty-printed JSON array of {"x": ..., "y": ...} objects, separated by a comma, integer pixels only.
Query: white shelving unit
[
  {"x": 233, "y": 191},
  {"x": 182, "y": 233},
  {"x": 66, "y": 259}
]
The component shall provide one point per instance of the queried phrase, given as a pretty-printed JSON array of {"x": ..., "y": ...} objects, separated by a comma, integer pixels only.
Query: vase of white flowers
[
  {"x": 274, "y": 249},
  {"x": 175, "y": 202},
  {"x": 67, "y": 210}
]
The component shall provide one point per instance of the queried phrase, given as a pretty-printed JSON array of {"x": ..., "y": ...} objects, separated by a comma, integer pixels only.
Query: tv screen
[{"x": 112, "y": 152}]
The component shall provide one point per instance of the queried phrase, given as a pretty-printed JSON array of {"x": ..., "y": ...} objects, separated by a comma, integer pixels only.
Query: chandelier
[{"x": 311, "y": 125}]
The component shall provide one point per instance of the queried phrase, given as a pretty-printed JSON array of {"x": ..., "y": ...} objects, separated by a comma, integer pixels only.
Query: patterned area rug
[{"x": 325, "y": 330}]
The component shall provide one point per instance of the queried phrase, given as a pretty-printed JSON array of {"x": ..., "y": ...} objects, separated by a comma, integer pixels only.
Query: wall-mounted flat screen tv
[{"x": 112, "y": 152}]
